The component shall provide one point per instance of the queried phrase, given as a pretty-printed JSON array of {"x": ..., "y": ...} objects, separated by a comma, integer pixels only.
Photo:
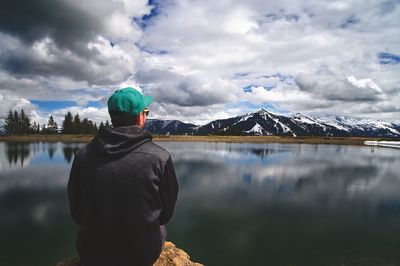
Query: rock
[
  {"x": 170, "y": 256},
  {"x": 173, "y": 256},
  {"x": 69, "y": 262}
]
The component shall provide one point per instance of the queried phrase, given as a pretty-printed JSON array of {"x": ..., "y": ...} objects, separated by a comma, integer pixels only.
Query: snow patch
[{"x": 256, "y": 129}]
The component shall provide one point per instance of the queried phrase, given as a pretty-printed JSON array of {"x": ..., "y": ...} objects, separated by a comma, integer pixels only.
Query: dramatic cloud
[
  {"x": 89, "y": 41},
  {"x": 309, "y": 56},
  {"x": 191, "y": 90},
  {"x": 203, "y": 60},
  {"x": 334, "y": 89}
]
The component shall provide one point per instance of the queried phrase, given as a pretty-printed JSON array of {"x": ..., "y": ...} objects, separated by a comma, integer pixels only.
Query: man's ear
[{"x": 141, "y": 119}]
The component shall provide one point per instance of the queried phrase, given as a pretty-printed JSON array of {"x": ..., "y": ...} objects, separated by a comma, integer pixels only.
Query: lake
[{"x": 239, "y": 204}]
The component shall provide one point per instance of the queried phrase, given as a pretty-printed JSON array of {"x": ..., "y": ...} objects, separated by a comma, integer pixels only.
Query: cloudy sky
[{"x": 200, "y": 59}]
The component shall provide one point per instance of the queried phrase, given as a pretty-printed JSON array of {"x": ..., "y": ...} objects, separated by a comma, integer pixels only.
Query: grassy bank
[
  {"x": 47, "y": 138},
  {"x": 231, "y": 139}
]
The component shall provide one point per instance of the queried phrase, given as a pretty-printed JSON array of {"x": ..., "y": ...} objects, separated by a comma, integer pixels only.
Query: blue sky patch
[
  {"x": 55, "y": 105},
  {"x": 388, "y": 59},
  {"x": 96, "y": 104},
  {"x": 145, "y": 21},
  {"x": 247, "y": 106},
  {"x": 248, "y": 88}
]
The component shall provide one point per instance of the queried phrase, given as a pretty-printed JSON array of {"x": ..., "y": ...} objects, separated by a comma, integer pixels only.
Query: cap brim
[{"x": 147, "y": 100}]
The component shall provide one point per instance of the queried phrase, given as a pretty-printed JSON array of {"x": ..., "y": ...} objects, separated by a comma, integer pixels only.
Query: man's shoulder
[
  {"x": 81, "y": 152},
  {"x": 152, "y": 148}
]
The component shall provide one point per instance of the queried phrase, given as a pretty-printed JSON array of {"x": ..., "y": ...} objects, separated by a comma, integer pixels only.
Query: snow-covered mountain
[
  {"x": 266, "y": 123},
  {"x": 165, "y": 127},
  {"x": 364, "y": 127}
]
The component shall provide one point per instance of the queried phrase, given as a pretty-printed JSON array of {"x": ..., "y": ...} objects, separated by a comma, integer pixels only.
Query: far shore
[{"x": 211, "y": 138}]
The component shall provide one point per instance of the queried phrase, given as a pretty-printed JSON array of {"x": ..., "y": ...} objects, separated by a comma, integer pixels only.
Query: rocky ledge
[{"x": 170, "y": 256}]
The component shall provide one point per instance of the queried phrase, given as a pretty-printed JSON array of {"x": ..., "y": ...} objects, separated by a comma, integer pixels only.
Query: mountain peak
[{"x": 264, "y": 111}]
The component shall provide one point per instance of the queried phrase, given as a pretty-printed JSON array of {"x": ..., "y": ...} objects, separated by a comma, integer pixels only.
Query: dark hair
[{"x": 120, "y": 119}]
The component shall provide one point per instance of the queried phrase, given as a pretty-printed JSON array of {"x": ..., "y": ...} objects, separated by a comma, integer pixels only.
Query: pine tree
[
  {"x": 24, "y": 123},
  {"x": 77, "y": 124},
  {"x": 95, "y": 128},
  {"x": 17, "y": 123},
  {"x": 33, "y": 128},
  {"x": 9, "y": 125},
  {"x": 52, "y": 127},
  {"x": 67, "y": 124}
]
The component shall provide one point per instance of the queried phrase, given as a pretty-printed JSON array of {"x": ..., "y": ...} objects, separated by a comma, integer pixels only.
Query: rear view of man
[{"x": 122, "y": 188}]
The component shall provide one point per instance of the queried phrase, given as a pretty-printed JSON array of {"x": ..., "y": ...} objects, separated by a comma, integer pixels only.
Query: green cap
[{"x": 128, "y": 100}]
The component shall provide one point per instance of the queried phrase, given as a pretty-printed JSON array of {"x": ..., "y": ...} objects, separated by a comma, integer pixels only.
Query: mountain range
[{"x": 266, "y": 123}]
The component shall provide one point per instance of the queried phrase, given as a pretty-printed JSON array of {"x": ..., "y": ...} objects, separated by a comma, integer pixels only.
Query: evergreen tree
[
  {"x": 17, "y": 125},
  {"x": 24, "y": 123},
  {"x": 52, "y": 127},
  {"x": 33, "y": 128},
  {"x": 67, "y": 124},
  {"x": 9, "y": 125},
  {"x": 107, "y": 123},
  {"x": 77, "y": 125}
]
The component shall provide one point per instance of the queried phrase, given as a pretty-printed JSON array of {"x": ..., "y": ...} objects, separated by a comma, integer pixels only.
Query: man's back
[{"x": 122, "y": 187}]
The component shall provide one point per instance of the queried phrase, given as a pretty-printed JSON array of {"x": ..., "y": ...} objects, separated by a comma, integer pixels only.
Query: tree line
[{"x": 19, "y": 123}]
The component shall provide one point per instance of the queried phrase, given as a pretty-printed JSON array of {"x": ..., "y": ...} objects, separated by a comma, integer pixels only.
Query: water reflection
[
  {"x": 69, "y": 152},
  {"x": 21, "y": 154},
  {"x": 287, "y": 204},
  {"x": 17, "y": 153},
  {"x": 239, "y": 204}
]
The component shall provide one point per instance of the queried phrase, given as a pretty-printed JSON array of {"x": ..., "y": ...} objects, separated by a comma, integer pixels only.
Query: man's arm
[
  {"x": 168, "y": 191},
  {"x": 74, "y": 191}
]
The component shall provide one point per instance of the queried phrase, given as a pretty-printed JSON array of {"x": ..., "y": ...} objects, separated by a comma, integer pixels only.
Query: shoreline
[{"x": 228, "y": 139}]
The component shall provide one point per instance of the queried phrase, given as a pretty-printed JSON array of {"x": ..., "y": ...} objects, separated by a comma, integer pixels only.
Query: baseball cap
[{"x": 128, "y": 100}]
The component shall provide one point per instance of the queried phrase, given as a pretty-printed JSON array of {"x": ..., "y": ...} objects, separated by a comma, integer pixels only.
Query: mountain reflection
[{"x": 262, "y": 152}]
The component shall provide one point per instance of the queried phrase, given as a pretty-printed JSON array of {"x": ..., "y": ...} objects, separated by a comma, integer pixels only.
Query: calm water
[{"x": 239, "y": 204}]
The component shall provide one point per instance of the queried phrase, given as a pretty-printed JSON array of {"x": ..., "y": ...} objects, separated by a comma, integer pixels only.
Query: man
[{"x": 121, "y": 188}]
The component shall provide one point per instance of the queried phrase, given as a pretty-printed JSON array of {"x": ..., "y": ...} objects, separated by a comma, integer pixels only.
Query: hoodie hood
[{"x": 118, "y": 141}]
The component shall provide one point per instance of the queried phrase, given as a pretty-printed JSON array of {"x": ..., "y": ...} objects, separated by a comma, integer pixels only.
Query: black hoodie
[{"x": 121, "y": 188}]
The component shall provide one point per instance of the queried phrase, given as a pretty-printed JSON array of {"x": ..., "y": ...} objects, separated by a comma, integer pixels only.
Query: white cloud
[
  {"x": 364, "y": 84},
  {"x": 196, "y": 56},
  {"x": 330, "y": 48},
  {"x": 10, "y": 102}
]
